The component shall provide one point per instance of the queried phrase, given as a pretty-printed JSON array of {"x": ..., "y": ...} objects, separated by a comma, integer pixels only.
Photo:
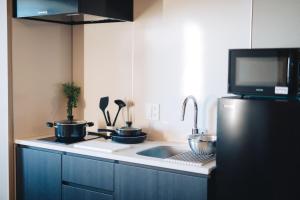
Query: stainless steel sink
[{"x": 161, "y": 152}]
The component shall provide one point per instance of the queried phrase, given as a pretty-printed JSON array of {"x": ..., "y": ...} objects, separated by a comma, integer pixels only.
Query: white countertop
[{"x": 126, "y": 155}]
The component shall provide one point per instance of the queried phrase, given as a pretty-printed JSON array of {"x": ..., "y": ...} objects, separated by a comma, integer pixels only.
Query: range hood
[{"x": 74, "y": 11}]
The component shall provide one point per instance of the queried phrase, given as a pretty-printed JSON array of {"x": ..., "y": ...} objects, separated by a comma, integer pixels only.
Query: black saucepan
[
  {"x": 121, "y": 139},
  {"x": 70, "y": 130},
  {"x": 128, "y": 130},
  {"x": 124, "y": 131}
]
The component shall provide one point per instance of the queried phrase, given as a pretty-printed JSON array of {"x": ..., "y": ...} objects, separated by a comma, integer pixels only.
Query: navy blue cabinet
[
  {"x": 135, "y": 183},
  {"x": 73, "y": 193},
  {"x": 38, "y": 175},
  {"x": 88, "y": 172},
  {"x": 173, "y": 186},
  {"x": 51, "y": 175}
]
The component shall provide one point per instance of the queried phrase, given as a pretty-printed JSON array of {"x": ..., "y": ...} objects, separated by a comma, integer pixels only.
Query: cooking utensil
[
  {"x": 108, "y": 119},
  {"x": 125, "y": 131},
  {"x": 69, "y": 131},
  {"x": 120, "y": 138},
  {"x": 103, "y": 105},
  {"x": 129, "y": 139},
  {"x": 100, "y": 134},
  {"x": 121, "y": 104},
  {"x": 128, "y": 130},
  {"x": 129, "y": 105},
  {"x": 203, "y": 144}
]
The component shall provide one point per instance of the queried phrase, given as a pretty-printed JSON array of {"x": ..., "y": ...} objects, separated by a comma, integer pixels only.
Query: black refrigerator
[{"x": 258, "y": 149}]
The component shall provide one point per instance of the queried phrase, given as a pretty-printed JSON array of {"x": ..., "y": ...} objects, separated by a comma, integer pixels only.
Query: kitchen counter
[{"x": 126, "y": 155}]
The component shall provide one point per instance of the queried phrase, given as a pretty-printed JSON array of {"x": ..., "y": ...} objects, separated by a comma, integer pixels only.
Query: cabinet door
[
  {"x": 72, "y": 193},
  {"x": 88, "y": 172},
  {"x": 174, "y": 186},
  {"x": 135, "y": 183},
  {"x": 274, "y": 24},
  {"x": 38, "y": 175}
]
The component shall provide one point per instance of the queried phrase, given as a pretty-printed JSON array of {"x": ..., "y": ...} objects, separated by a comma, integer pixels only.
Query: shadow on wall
[
  {"x": 154, "y": 134},
  {"x": 141, "y": 6}
]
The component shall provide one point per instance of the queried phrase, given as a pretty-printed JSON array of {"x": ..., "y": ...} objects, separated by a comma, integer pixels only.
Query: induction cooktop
[{"x": 53, "y": 139}]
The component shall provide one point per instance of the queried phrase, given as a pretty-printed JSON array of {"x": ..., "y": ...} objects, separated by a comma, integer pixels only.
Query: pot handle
[
  {"x": 50, "y": 124},
  {"x": 90, "y": 124},
  {"x": 106, "y": 130}
]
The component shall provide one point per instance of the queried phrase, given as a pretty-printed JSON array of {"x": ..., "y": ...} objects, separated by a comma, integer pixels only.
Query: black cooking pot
[
  {"x": 125, "y": 131},
  {"x": 70, "y": 130},
  {"x": 128, "y": 131}
]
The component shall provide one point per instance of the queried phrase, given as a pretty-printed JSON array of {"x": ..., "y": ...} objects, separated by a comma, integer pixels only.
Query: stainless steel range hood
[{"x": 74, "y": 11}]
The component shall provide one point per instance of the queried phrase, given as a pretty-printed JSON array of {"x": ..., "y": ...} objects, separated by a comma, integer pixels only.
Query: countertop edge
[{"x": 130, "y": 157}]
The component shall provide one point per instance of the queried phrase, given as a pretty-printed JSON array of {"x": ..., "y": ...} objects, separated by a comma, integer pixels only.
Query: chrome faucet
[{"x": 195, "y": 129}]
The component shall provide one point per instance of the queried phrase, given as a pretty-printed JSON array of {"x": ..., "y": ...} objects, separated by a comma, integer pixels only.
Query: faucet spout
[{"x": 195, "y": 128}]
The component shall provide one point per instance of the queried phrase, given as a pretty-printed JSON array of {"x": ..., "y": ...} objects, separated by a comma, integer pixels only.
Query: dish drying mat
[{"x": 191, "y": 159}]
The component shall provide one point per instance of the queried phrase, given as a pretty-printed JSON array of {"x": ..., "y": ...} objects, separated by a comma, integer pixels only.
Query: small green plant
[{"x": 72, "y": 92}]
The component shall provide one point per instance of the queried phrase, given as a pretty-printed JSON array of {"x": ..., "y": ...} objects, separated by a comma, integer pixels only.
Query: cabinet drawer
[
  {"x": 88, "y": 172},
  {"x": 71, "y": 193}
]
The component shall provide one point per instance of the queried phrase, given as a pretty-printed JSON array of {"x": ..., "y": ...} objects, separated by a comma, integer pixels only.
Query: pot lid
[
  {"x": 129, "y": 129},
  {"x": 70, "y": 122}
]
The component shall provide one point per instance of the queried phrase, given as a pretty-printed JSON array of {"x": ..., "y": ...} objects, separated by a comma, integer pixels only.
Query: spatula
[
  {"x": 103, "y": 105},
  {"x": 121, "y": 104}
]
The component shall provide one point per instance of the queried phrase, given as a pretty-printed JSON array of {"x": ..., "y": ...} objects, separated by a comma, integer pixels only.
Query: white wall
[
  {"x": 107, "y": 66},
  {"x": 276, "y": 23},
  {"x": 181, "y": 48},
  {"x": 42, "y": 61},
  {"x": 4, "y": 105},
  {"x": 173, "y": 49}
]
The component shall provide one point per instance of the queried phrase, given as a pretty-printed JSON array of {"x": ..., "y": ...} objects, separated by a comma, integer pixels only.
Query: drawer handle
[{"x": 43, "y": 12}]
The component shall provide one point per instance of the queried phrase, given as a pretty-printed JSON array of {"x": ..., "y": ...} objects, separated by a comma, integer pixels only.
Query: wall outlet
[
  {"x": 149, "y": 111},
  {"x": 155, "y": 112}
]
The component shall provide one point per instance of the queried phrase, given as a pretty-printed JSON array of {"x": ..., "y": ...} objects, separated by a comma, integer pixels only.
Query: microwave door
[{"x": 265, "y": 75}]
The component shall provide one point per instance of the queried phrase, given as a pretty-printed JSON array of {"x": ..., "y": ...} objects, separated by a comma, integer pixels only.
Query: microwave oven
[{"x": 264, "y": 72}]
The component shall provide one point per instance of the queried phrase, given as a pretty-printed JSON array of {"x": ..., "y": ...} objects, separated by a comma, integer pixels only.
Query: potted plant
[{"x": 72, "y": 92}]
